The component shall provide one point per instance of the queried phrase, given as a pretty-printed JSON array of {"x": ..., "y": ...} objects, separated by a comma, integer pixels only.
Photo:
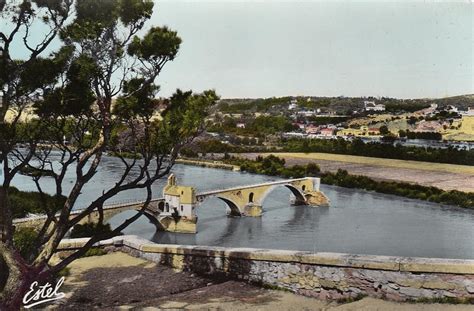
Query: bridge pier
[
  {"x": 316, "y": 198},
  {"x": 252, "y": 210},
  {"x": 178, "y": 224}
]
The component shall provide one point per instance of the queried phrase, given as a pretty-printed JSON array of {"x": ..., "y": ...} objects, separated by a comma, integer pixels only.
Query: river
[{"x": 356, "y": 221}]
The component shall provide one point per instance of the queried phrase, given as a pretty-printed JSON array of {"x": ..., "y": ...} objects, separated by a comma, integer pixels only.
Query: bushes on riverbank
[
  {"x": 24, "y": 203},
  {"x": 343, "y": 179},
  {"x": 275, "y": 166}
]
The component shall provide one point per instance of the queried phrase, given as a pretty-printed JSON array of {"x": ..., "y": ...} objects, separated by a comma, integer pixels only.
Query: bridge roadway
[
  {"x": 109, "y": 211},
  {"x": 237, "y": 188}
]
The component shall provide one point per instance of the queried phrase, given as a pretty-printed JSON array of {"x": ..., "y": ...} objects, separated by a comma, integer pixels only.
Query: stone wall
[{"x": 321, "y": 275}]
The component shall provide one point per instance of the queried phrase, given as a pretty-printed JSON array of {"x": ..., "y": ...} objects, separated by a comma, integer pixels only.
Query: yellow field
[
  {"x": 464, "y": 133},
  {"x": 439, "y": 167},
  {"x": 467, "y": 125}
]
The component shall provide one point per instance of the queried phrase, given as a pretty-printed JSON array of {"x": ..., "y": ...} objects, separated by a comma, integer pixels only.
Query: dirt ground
[
  {"x": 120, "y": 282},
  {"x": 444, "y": 176}
]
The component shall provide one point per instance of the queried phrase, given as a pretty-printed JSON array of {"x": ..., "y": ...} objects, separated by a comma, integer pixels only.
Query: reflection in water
[
  {"x": 174, "y": 238},
  {"x": 356, "y": 222}
]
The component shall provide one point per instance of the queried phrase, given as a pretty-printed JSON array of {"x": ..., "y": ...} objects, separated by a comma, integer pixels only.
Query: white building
[
  {"x": 178, "y": 199},
  {"x": 452, "y": 109},
  {"x": 372, "y": 106},
  {"x": 292, "y": 106}
]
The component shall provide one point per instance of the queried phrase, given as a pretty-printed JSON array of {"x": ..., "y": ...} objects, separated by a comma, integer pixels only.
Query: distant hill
[{"x": 341, "y": 105}]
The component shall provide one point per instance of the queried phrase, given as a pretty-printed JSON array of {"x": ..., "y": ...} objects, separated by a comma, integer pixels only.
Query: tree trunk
[
  {"x": 13, "y": 277},
  {"x": 5, "y": 216},
  {"x": 19, "y": 277}
]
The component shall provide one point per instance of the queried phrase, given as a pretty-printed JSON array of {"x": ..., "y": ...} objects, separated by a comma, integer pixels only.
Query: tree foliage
[{"x": 94, "y": 94}]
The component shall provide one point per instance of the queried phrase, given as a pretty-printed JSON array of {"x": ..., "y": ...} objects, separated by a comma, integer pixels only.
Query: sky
[
  {"x": 266, "y": 48},
  {"x": 403, "y": 49}
]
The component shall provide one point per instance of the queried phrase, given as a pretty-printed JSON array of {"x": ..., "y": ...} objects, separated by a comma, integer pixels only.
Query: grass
[
  {"x": 95, "y": 252},
  {"x": 273, "y": 287},
  {"x": 466, "y": 132},
  {"x": 64, "y": 272},
  {"x": 428, "y": 166}
]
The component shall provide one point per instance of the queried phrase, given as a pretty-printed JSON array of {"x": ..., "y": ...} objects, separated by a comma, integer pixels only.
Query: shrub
[
  {"x": 24, "y": 239},
  {"x": 90, "y": 229},
  {"x": 343, "y": 179},
  {"x": 95, "y": 251},
  {"x": 23, "y": 202},
  {"x": 188, "y": 153}
]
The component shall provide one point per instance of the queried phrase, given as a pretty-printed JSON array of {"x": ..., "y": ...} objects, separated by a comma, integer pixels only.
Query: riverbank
[
  {"x": 439, "y": 175},
  {"x": 211, "y": 164},
  {"x": 159, "y": 276}
]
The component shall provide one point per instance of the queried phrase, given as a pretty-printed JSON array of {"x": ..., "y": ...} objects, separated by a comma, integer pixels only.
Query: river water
[{"x": 356, "y": 221}]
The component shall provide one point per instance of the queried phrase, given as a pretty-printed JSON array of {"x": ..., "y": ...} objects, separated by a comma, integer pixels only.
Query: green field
[{"x": 439, "y": 167}]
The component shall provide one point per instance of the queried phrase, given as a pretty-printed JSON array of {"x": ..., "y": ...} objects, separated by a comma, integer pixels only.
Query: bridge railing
[
  {"x": 270, "y": 183},
  {"x": 110, "y": 205}
]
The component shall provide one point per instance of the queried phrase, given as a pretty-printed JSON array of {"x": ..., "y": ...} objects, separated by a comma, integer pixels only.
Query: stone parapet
[{"x": 321, "y": 275}]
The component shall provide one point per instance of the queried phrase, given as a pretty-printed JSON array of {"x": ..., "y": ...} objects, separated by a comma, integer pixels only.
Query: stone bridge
[
  {"x": 176, "y": 211},
  {"x": 248, "y": 200}
]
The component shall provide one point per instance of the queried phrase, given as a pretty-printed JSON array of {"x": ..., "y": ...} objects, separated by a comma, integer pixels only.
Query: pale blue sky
[
  {"x": 274, "y": 48},
  {"x": 406, "y": 49}
]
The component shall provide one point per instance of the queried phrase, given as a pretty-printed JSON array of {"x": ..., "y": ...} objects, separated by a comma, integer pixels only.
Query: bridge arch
[
  {"x": 161, "y": 206},
  {"x": 234, "y": 208},
  {"x": 298, "y": 193},
  {"x": 152, "y": 219}
]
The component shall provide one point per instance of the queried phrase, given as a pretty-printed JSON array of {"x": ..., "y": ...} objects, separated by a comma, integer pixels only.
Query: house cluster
[
  {"x": 434, "y": 109},
  {"x": 297, "y": 111},
  {"x": 311, "y": 130}
]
